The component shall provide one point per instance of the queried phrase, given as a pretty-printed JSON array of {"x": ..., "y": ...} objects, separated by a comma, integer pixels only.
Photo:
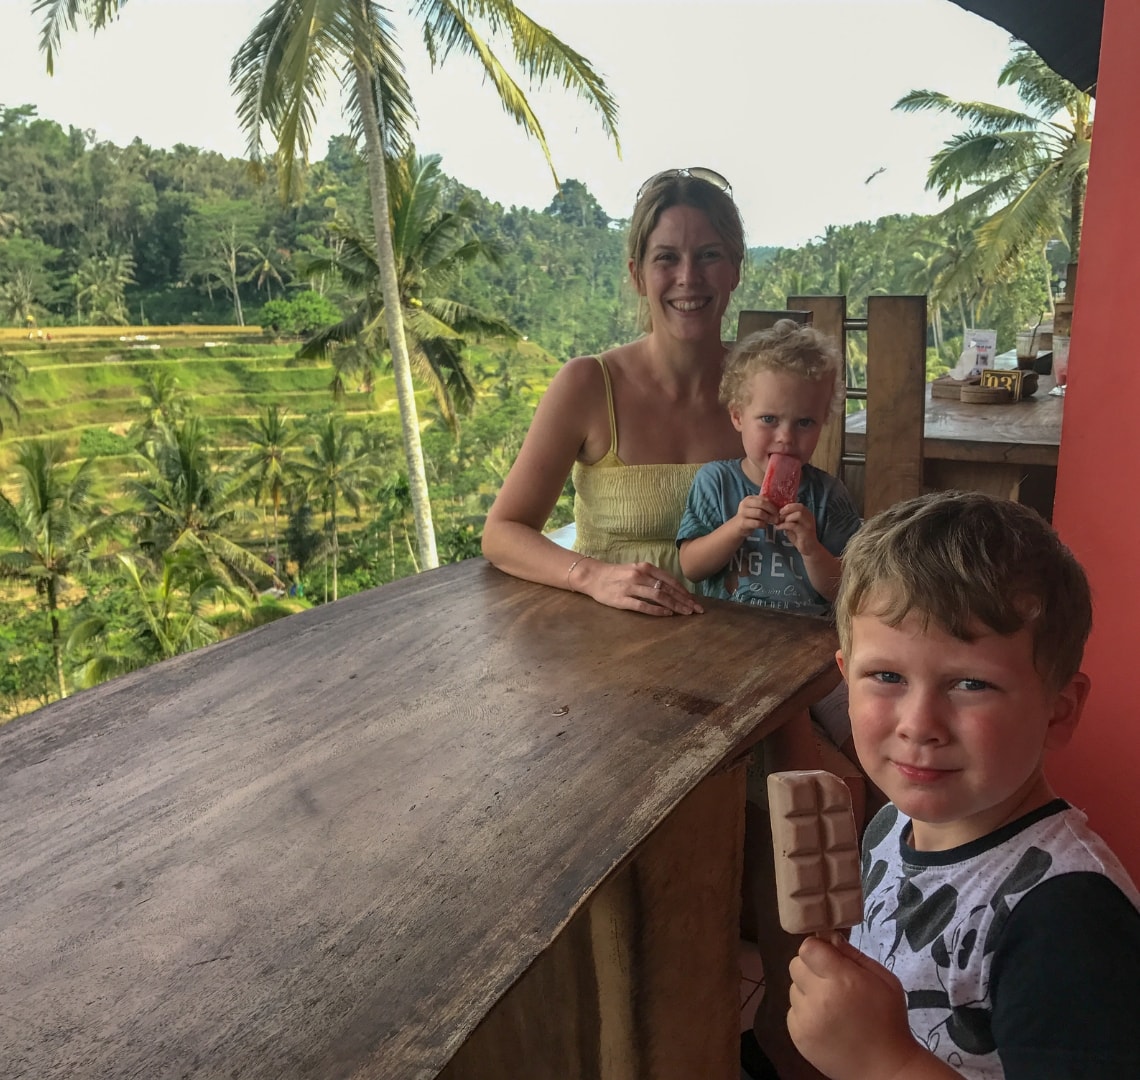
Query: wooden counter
[
  {"x": 458, "y": 825},
  {"x": 994, "y": 448}
]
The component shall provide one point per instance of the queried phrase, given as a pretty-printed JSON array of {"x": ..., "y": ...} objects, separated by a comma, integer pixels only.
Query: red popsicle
[{"x": 781, "y": 480}]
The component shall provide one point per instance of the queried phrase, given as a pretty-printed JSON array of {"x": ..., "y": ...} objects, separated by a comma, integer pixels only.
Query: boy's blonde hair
[
  {"x": 786, "y": 347},
  {"x": 960, "y": 558},
  {"x": 675, "y": 188}
]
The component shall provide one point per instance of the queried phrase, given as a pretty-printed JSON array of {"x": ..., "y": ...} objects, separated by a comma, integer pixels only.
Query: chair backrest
[
  {"x": 896, "y": 400},
  {"x": 756, "y": 319},
  {"x": 829, "y": 316}
]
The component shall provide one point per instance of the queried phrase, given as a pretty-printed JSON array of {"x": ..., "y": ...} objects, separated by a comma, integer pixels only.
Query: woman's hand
[
  {"x": 638, "y": 586},
  {"x": 848, "y": 1016}
]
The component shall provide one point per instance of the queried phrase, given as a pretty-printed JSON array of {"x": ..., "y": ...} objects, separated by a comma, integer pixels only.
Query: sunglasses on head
[{"x": 709, "y": 176}]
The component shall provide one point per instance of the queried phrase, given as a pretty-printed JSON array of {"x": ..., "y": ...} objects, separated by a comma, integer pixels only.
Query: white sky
[{"x": 790, "y": 99}]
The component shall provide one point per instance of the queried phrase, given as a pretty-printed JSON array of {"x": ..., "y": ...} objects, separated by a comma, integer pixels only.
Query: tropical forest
[{"x": 203, "y": 424}]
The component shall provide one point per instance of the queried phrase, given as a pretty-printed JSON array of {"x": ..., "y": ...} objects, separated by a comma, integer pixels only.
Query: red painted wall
[{"x": 1097, "y": 509}]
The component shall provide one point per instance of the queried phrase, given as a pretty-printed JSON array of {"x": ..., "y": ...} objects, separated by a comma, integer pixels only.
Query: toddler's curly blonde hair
[{"x": 786, "y": 347}]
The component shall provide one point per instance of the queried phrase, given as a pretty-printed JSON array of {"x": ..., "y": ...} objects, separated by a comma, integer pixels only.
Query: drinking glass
[
  {"x": 1026, "y": 353},
  {"x": 1061, "y": 359}
]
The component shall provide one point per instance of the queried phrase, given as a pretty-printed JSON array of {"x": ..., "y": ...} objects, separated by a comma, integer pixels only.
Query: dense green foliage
[
  {"x": 195, "y": 496},
  {"x": 187, "y": 236}
]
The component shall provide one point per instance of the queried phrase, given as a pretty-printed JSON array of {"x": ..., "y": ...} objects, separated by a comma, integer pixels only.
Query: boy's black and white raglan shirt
[{"x": 1019, "y": 952}]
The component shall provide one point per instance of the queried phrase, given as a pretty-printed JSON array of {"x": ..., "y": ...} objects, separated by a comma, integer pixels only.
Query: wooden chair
[
  {"x": 896, "y": 400},
  {"x": 755, "y": 319}
]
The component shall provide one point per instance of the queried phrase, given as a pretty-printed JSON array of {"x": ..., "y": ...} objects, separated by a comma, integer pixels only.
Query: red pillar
[{"x": 1097, "y": 510}]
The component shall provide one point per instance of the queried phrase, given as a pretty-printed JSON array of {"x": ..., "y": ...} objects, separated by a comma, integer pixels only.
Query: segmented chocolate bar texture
[{"x": 816, "y": 849}]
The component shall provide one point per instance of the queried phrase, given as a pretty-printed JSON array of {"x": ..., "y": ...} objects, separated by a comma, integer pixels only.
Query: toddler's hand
[
  {"x": 754, "y": 512},
  {"x": 799, "y": 523}
]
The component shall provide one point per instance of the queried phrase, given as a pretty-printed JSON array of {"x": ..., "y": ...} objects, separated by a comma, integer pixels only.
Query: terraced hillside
[
  {"x": 343, "y": 518},
  {"x": 82, "y": 390}
]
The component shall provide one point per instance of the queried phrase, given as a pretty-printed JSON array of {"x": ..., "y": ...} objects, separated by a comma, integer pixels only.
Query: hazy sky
[{"x": 790, "y": 99}]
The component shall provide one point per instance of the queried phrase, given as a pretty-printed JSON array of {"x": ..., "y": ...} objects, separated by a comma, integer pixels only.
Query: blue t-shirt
[{"x": 769, "y": 573}]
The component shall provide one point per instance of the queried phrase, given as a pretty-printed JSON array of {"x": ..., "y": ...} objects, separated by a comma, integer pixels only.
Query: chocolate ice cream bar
[{"x": 816, "y": 850}]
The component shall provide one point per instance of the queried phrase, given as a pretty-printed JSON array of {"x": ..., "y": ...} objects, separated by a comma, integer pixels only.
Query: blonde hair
[
  {"x": 669, "y": 189},
  {"x": 962, "y": 557},
  {"x": 786, "y": 347}
]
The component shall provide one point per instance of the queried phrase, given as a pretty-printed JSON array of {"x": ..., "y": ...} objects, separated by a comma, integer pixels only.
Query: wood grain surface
[
  {"x": 328, "y": 847},
  {"x": 896, "y": 369}
]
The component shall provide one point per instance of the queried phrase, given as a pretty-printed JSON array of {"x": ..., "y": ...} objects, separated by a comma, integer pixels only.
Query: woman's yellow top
[{"x": 630, "y": 513}]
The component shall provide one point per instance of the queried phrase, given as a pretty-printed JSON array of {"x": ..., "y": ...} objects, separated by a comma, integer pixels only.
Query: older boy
[{"x": 1001, "y": 937}]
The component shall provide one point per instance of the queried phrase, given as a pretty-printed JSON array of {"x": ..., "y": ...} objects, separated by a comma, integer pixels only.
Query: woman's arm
[{"x": 512, "y": 534}]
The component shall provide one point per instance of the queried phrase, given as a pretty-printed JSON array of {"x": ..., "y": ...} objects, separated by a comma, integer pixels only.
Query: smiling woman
[{"x": 634, "y": 424}]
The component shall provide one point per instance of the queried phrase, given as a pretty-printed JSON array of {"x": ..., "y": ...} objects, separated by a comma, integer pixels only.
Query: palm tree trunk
[
  {"x": 56, "y": 644},
  {"x": 232, "y": 267},
  {"x": 1048, "y": 280},
  {"x": 394, "y": 319},
  {"x": 411, "y": 550},
  {"x": 335, "y": 545},
  {"x": 1077, "y": 210},
  {"x": 276, "y": 553}
]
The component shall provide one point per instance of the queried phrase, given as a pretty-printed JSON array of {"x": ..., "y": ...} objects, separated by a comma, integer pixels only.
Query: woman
[{"x": 634, "y": 424}]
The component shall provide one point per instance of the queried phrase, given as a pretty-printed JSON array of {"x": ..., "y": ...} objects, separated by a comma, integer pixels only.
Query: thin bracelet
[{"x": 580, "y": 558}]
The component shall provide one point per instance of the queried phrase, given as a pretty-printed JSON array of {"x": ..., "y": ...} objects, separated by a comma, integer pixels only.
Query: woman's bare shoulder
[
  {"x": 582, "y": 379},
  {"x": 581, "y": 376}
]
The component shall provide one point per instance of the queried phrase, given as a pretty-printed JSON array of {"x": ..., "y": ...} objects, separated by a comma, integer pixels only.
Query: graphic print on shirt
[
  {"x": 769, "y": 574},
  {"x": 931, "y": 933}
]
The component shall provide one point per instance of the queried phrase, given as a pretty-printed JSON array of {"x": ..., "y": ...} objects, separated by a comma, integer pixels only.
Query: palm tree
[
  {"x": 429, "y": 245},
  {"x": 49, "y": 529},
  {"x": 18, "y": 303},
  {"x": 189, "y": 500},
  {"x": 941, "y": 245},
  {"x": 167, "y": 614},
  {"x": 395, "y": 502},
  {"x": 270, "y": 463},
  {"x": 11, "y": 372},
  {"x": 336, "y": 467},
  {"x": 162, "y": 403},
  {"x": 279, "y": 74},
  {"x": 1028, "y": 169},
  {"x": 100, "y": 283},
  {"x": 268, "y": 267}
]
